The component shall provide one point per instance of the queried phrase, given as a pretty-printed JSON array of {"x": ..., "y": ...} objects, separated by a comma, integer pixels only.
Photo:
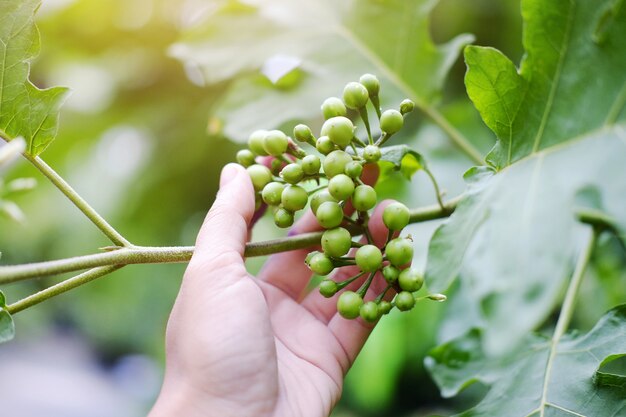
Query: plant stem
[
  {"x": 78, "y": 201},
  {"x": 435, "y": 185},
  {"x": 60, "y": 288},
  {"x": 567, "y": 310}
]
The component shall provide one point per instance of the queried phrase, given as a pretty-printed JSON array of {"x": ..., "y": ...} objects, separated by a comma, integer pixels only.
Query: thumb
[{"x": 225, "y": 228}]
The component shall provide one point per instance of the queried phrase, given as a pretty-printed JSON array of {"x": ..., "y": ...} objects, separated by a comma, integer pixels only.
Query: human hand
[{"x": 239, "y": 345}]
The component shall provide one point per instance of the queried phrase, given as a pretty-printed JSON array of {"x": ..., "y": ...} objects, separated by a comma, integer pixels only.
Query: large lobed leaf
[
  {"x": 542, "y": 378},
  {"x": 25, "y": 110},
  {"x": 572, "y": 79},
  {"x": 327, "y": 43},
  {"x": 515, "y": 235}
]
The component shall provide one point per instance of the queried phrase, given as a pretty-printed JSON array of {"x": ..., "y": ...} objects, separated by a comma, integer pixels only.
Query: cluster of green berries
[{"x": 334, "y": 167}]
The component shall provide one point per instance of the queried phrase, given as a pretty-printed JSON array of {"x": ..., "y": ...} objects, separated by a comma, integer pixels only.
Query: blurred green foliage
[{"x": 137, "y": 140}]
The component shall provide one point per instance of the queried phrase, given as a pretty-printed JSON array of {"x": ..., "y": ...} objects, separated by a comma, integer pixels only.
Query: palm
[{"x": 260, "y": 346}]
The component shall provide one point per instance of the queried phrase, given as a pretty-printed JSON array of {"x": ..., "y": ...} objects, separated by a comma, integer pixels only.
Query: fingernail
[{"x": 229, "y": 172}]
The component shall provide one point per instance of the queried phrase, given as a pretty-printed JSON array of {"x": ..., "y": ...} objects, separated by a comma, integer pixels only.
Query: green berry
[
  {"x": 335, "y": 163},
  {"x": 303, "y": 133},
  {"x": 333, "y": 107},
  {"x": 310, "y": 256},
  {"x": 339, "y": 129},
  {"x": 328, "y": 288},
  {"x": 369, "y": 258},
  {"x": 283, "y": 218},
  {"x": 384, "y": 307},
  {"x": 399, "y": 251},
  {"x": 391, "y": 121},
  {"x": 371, "y": 83},
  {"x": 329, "y": 215},
  {"x": 404, "y": 301},
  {"x": 245, "y": 157},
  {"x": 292, "y": 173},
  {"x": 294, "y": 198},
  {"x": 272, "y": 192},
  {"x": 258, "y": 201},
  {"x": 406, "y": 106},
  {"x": 371, "y": 153},
  {"x": 411, "y": 280},
  {"x": 260, "y": 176},
  {"x": 355, "y": 95},
  {"x": 255, "y": 142},
  {"x": 364, "y": 198},
  {"x": 336, "y": 242},
  {"x": 319, "y": 198},
  {"x": 349, "y": 304},
  {"x": 275, "y": 142},
  {"x": 321, "y": 264},
  {"x": 324, "y": 145},
  {"x": 311, "y": 164},
  {"x": 276, "y": 166},
  {"x": 396, "y": 216},
  {"x": 341, "y": 187},
  {"x": 369, "y": 312},
  {"x": 353, "y": 169},
  {"x": 391, "y": 274}
]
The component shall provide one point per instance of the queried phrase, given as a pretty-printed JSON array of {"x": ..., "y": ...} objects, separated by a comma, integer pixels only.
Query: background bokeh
[{"x": 141, "y": 141}]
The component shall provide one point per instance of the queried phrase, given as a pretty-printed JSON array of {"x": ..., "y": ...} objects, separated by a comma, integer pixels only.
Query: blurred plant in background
[{"x": 162, "y": 94}]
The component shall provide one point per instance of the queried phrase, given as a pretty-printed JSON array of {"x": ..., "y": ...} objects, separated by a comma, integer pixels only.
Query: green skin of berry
[
  {"x": 391, "y": 274},
  {"x": 355, "y": 95},
  {"x": 294, "y": 198},
  {"x": 260, "y": 176},
  {"x": 384, "y": 307},
  {"x": 333, "y": 107},
  {"x": 283, "y": 218},
  {"x": 391, "y": 121},
  {"x": 369, "y": 258},
  {"x": 329, "y": 215},
  {"x": 255, "y": 142},
  {"x": 396, "y": 216},
  {"x": 341, "y": 187},
  {"x": 245, "y": 157},
  {"x": 324, "y": 145},
  {"x": 399, "y": 251},
  {"x": 410, "y": 280},
  {"x": 311, "y": 164},
  {"x": 310, "y": 256},
  {"x": 364, "y": 198},
  {"x": 349, "y": 304},
  {"x": 369, "y": 312},
  {"x": 339, "y": 129},
  {"x": 321, "y": 264},
  {"x": 328, "y": 288},
  {"x": 371, "y": 153},
  {"x": 302, "y": 133},
  {"x": 319, "y": 198},
  {"x": 335, "y": 163},
  {"x": 276, "y": 166},
  {"x": 336, "y": 242},
  {"x": 353, "y": 169},
  {"x": 406, "y": 106},
  {"x": 275, "y": 142},
  {"x": 371, "y": 83},
  {"x": 272, "y": 192},
  {"x": 292, "y": 173},
  {"x": 404, "y": 301}
]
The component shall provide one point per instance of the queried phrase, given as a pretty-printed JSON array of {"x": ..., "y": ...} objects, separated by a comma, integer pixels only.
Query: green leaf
[
  {"x": 25, "y": 110},
  {"x": 7, "y": 327},
  {"x": 515, "y": 235},
  {"x": 400, "y": 158},
  {"x": 3, "y": 300},
  {"x": 571, "y": 80},
  {"x": 334, "y": 42},
  {"x": 542, "y": 378}
]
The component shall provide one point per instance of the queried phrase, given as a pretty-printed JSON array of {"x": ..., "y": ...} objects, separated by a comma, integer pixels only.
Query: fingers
[
  {"x": 324, "y": 309},
  {"x": 223, "y": 234},
  {"x": 287, "y": 270}
]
